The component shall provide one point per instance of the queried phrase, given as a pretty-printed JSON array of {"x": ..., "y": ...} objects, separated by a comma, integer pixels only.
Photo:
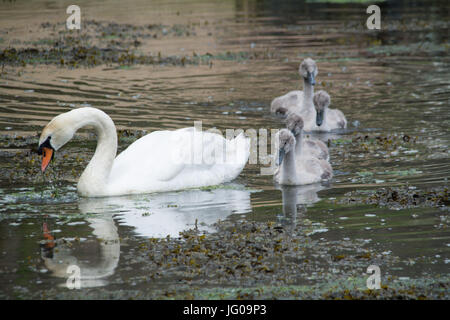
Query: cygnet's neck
[
  {"x": 298, "y": 143},
  {"x": 324, "y": 124},
  {"x": 308, "y": 94},
  {"x": 289, "y": 173}
]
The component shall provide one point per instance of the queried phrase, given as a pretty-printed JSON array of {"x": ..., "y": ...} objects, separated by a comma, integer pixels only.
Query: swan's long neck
[
  {"x": 308, "y": 93},
  {"x": 94, "y": 179},
  {"x": 289, "y": 172},
  {"x": 298, "y": 143}
]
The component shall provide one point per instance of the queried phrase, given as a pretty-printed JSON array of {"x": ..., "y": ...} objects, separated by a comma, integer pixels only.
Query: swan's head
[
  {"x": 294, "y": 123},
  {"x": 308, "y": 70},
  {"x": 55, "y": 134},
  {"x": 286, "y": 143},
  {"x": 321, "y": 101}
]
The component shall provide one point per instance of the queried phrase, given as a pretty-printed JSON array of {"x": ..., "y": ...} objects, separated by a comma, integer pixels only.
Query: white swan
[
  {"x": 300, "y": 101},
  {"x": 159, "y": 161},
  {"x": 298, "y": 170},
  {"x": 327, "y": 119},
  {"x": 308, "y": 146}
]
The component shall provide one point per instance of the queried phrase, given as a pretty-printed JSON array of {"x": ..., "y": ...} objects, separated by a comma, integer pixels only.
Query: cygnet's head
[
  {"x": 294, "y": 123},
  {"x": 321, "y": 101},
  {"x": 308, "y": 70},
  {"x": 286, "y": 143}
]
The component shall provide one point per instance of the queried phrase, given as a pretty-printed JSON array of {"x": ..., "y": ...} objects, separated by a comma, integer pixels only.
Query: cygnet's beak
[
  {"x": 281, "y": 155},
  {"x": 310, "y": 78},
  {"x": 319, "y": 118}
]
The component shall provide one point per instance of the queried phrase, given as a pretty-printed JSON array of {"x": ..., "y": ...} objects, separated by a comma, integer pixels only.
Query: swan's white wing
[
  {"x": 174, "y": 160},
  {"x": 148, "y": 158},
  {"x": 216, "y": 160}
]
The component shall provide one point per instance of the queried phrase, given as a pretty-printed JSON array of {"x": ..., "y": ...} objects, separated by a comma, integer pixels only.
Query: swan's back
[
  {"x": 312, "y": 170},
  {"x": 291, "y": 101},
  {"x": 336, "y": 119},
  {"x": 309, "y": 119},
  {"x": 175, "y": 160},
  {"x": 308, "y": 170},
  {"x": 316, "y": 148}
]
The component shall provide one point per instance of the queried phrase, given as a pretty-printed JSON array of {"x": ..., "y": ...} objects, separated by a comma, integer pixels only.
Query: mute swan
[
  {"x": 298, "y": 170},
  {"x": 159, "y": 161},
  {"x": 313, "y": 147},
  {"x": 297, "y": 100},
  {"x": 327, "y": 119}
]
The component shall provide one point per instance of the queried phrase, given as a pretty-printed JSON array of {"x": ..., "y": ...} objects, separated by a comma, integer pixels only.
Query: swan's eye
[{"x": 45, "y": 144}]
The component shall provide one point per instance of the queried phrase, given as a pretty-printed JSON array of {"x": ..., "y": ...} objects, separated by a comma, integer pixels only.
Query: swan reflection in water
[
  {"x": 296, "y": 199},
  {"x": 150, "y": 215},
  {"x": 167, "y": 214},
  {"x": 104, "y": 254}
]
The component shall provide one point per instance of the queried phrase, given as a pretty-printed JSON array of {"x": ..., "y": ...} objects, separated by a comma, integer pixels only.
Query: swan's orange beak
[{"x": 47, "y": 154}]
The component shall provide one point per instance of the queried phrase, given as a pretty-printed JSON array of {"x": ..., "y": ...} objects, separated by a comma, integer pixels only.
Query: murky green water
[{"x": 392, "y": 85}]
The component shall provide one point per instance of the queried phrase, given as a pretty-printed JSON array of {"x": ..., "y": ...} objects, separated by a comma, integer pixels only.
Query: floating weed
[
  {"x": 75, "y": 218},
  {"x": 340, "y": 141},
  {"x": 368, "y": 176},
  {"x": 114, "y": 44},
  {"x": 412, "y": 48},
  {"x": 409, "y": 172},
  {"x": 225, "y": 187},
  {"x": 365, "y": 174},
  {"x": 257, "y": 260},
  {"x": 373, "y": 143},
  {"x": 400, "y": 197},
  {"x": 40, "y": 195}
]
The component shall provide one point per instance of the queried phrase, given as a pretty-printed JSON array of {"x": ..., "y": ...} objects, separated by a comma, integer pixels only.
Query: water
[{"x": 391, "y": 84}]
